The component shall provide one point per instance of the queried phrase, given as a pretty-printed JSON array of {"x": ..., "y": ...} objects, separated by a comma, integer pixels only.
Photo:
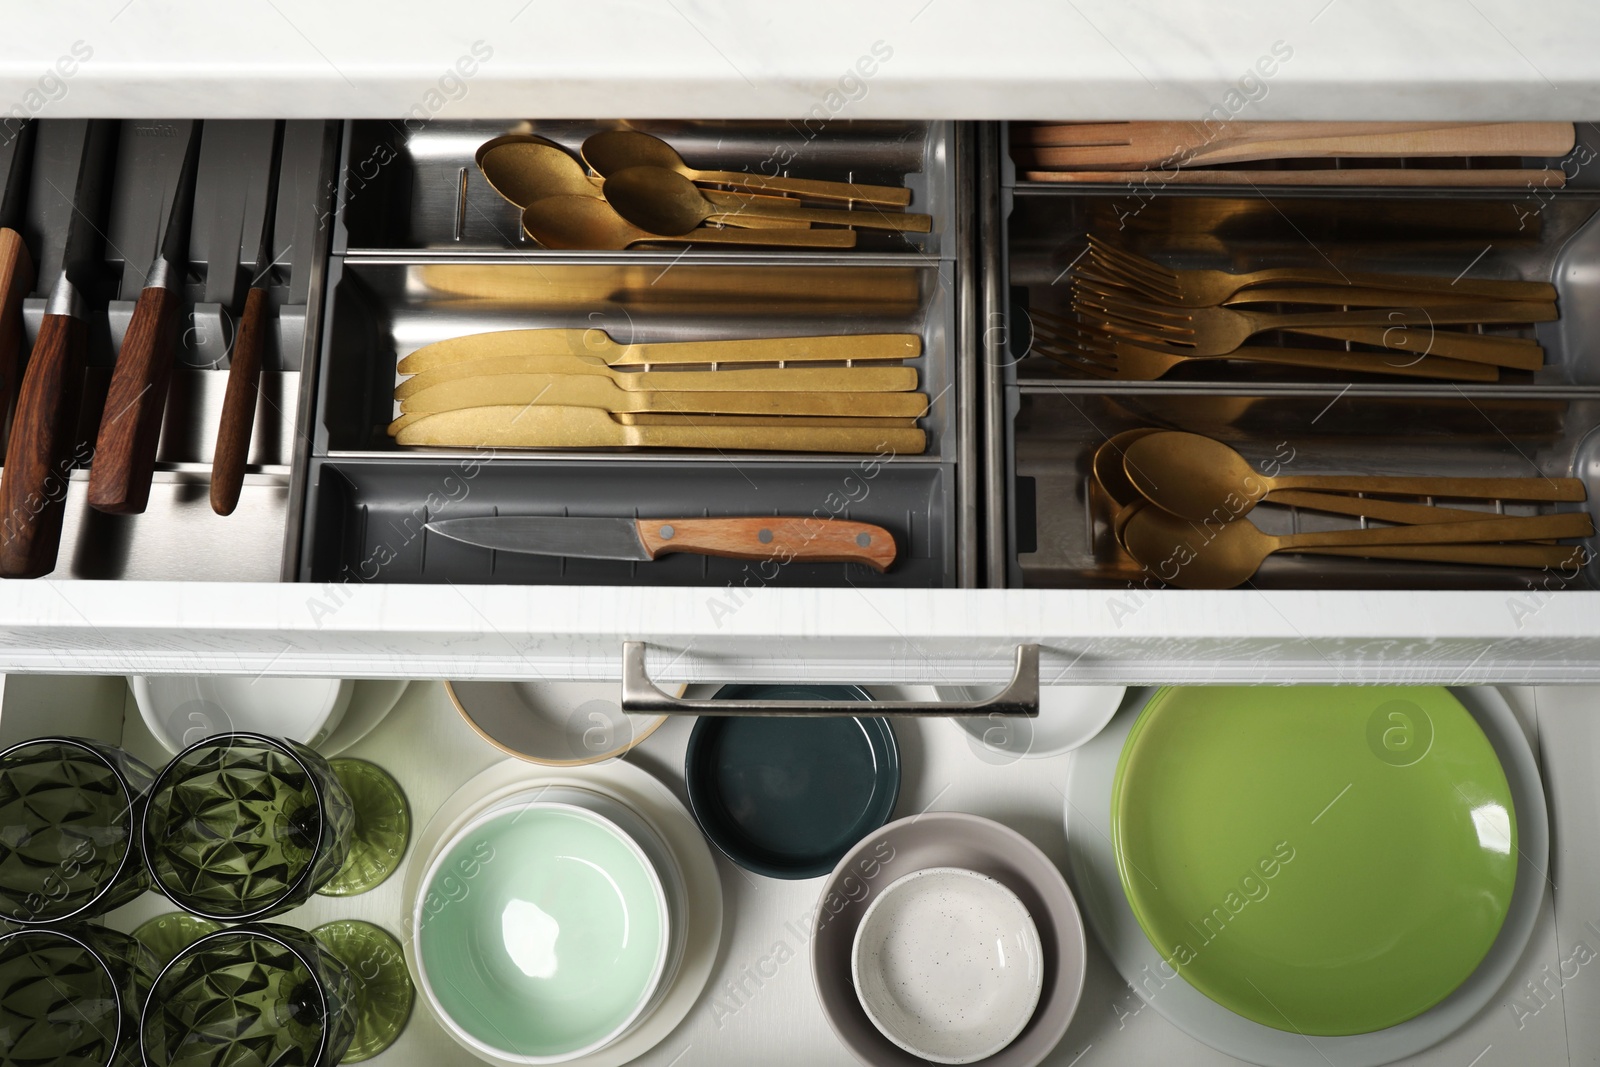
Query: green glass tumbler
[
  {"x": 262, "y": 994},
  {"x": 70, "y": 812},
  {"x": 70, "y": 996}
]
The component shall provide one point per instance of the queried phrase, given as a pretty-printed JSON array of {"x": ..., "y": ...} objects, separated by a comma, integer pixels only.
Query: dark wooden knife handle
[
  {"x": 39, "y": 460},
  {"x": 16, "y": 282},
  {"x": 239, "y": 405},
  {"x": 130, "y": 426}
]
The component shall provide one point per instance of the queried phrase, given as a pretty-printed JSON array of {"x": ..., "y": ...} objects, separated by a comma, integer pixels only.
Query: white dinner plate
[{"x": 371, "y": 699}]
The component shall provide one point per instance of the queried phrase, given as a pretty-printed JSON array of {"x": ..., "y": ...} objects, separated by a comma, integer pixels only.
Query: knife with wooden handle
[
  {"x": 39, "y": 460},
  {"x": 783, "y": 539},
  {"x": 130, "y": 425},
  {"x": 16, "y": 265},
  {"x": 244, "y": 365}
]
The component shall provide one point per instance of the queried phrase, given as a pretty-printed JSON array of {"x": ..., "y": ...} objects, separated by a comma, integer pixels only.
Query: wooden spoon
[
  {"x": 616, "y": 150},
  {"x": 584, "y": 222},
  {"x": 1228, "y": 555},
  {"x": 664, "y": 201},
  {"x": 1199, "y": 478}
]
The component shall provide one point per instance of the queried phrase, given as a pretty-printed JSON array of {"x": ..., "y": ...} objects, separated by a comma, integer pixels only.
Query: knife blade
[
  {"x": 130, "y": 424},
  {"x": 16, "y": 265},
  {"x": 779, "y": 538},
  {"x": 39, "y": 460}
]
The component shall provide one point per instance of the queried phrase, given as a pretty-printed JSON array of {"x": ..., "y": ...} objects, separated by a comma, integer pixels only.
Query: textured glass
[
  {"x": 245, "y": 826},
  {"x": 260, "y": 995},
  {"x": 70, "y": 810},
  {"x": 71, "y": 996},
  {"x": 384, "y": 993}
]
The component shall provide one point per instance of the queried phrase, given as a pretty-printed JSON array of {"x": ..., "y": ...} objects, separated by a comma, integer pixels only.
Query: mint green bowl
[{"x": 541, "y": 933}]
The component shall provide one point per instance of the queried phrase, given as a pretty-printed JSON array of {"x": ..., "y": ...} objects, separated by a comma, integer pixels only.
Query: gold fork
[
  {"x": 1208, "y": 288},
  {"x": 1215, "y": 331},
  {"x": 1078, "y": 348},
  {"x": 1517, "y": 353}
]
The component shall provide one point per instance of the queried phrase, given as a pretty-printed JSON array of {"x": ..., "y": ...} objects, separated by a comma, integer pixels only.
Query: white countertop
[{"x": 954, "y": 59}]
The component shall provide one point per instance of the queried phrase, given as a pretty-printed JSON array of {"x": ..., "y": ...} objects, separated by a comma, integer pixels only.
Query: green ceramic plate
[{"x": 1324, "y": 860}]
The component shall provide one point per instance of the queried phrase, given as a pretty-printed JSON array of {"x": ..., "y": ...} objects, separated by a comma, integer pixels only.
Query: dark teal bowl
[{"x": 787, "y": 796}]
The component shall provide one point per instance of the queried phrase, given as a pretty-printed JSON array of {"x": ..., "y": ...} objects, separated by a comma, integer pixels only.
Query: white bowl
[
  {"x": 948, "y": 965},
  {"x": 181, "y": 710},
  {"x": 557, "y": 724},
  {"x": 1069, "y": 715}
]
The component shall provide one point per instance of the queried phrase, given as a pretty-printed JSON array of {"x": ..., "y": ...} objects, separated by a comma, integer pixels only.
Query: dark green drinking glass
[
  {"x": 70, "y": 812},
  {"x": 263, "y": 995},
  {"x": 70, "y": 996}
]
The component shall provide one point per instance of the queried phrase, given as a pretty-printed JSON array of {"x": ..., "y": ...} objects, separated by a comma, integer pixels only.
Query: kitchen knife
[
  {"x": 809, "y": 540},
  {"x": 39, "y": 459},
  {"x": 244, "y": 366},
  {"x": 16, "y": 265},
  {"x": 130, "y": 424}
]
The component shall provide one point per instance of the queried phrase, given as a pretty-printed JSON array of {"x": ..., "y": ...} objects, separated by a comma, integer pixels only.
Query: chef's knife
[
  {"x": 39, "y": 460},
  {"x": 782, "y": 539},
  {"x": 244, "y": 365},
  {"x": 16, "y": 265},
  {"x": 130, "y": 425}
]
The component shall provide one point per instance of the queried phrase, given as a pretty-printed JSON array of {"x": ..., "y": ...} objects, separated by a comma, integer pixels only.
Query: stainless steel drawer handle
[{"x": 1019, "y": 698}]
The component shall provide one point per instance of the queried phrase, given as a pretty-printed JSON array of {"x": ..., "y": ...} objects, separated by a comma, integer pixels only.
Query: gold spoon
[
  {"x": 1227, "y": 555},
  {"x": 664, "y": 201},
  {"x": 1197, "y": 477},
  {"x": 584, "y": 222},
  {"x": 616, "y": 150},
  {"x": 523, "y": 171}
]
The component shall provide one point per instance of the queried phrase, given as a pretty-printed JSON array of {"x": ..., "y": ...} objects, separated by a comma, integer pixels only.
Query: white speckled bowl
[{"x": 947, "y": 964}]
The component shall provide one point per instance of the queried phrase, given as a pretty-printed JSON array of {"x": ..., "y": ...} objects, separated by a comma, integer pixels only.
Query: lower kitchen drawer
[{"x": 761, "y": 986}]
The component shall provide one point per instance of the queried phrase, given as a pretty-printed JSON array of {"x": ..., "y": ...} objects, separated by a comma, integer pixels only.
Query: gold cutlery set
[
  {"x": 566, "y": 388},
  {"x": 1179, "y": 504},
  {"x": 631, "y": 188},
  {"x": 1136, "y": 320},
  {"x": 1316, "y": 153}
]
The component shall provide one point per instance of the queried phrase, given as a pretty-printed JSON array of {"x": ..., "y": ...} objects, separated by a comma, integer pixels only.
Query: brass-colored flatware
[
  {"x": 775, "y": 379},
  {"x": 595, "y": 391},
  {"x": 1540, "y": 178},
  {"x": 1196, "y": 477},
  {"x": 658, "y": 418},
  {"x": 1226, "y": 555},
  {"x": 1209, "y": 288},
  {"x": 583, "y": 222},
  {"x": 663, "y": 201},
  {"x": 616, "y": 150},
  {"x": 527, "y": 169},
  {"x": 524, "y": 426},
  {"x": 597, "y": 344}
]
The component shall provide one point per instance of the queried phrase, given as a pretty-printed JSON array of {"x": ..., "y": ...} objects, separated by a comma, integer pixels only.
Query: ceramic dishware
[
  {"x": 947, "y": 839},
  {"x": 558, "y": 724},
  {"x": 1257, "y": 842},
  {"x": 183, "y": 709},
  {"x": 541, "y": 932},
  {"x": 947, "y": 964},
  {"x": 787, "y": 796},
  {"x": 70, "y": 996},
  {"x": 1068, "y": 716},
  {"x": 70, "y": 812}
]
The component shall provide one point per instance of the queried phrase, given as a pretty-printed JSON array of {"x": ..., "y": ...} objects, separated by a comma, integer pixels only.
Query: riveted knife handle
[
  {"x": 130, "y": 426},
  {"x": 38, "y": 465},
  {"x": 809, "y": 540},
  {"x": 239, "y": 405},
  {"x": 16, "y": 281}
]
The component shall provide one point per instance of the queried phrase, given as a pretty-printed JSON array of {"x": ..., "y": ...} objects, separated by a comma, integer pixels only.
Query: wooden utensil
[
  {"x": 616, "y": 150},
  {"x": 1209, "y": 288},
  {"x": 244, "y": 365},
  {"x": 598, "y": 344},
  {"x": 1130, "y": 145},
  {"x": 595, "y": 391},
  {"x": 1227, "y": 555},
  {"x": 663, "y": 201},
  {"x": 785, "y": 379},
  {"x": 1430, "y": 177},
  {"x": 580, "y": 222},
  {"x": 521, "y": 426},
  {"x": 16, "y": 265},
  {"x": 524, "y": 171},
  {"x": 39, "y": 455},
  {"x": 136, "y": 400},
  {"x": 1196, "y": 477}
]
